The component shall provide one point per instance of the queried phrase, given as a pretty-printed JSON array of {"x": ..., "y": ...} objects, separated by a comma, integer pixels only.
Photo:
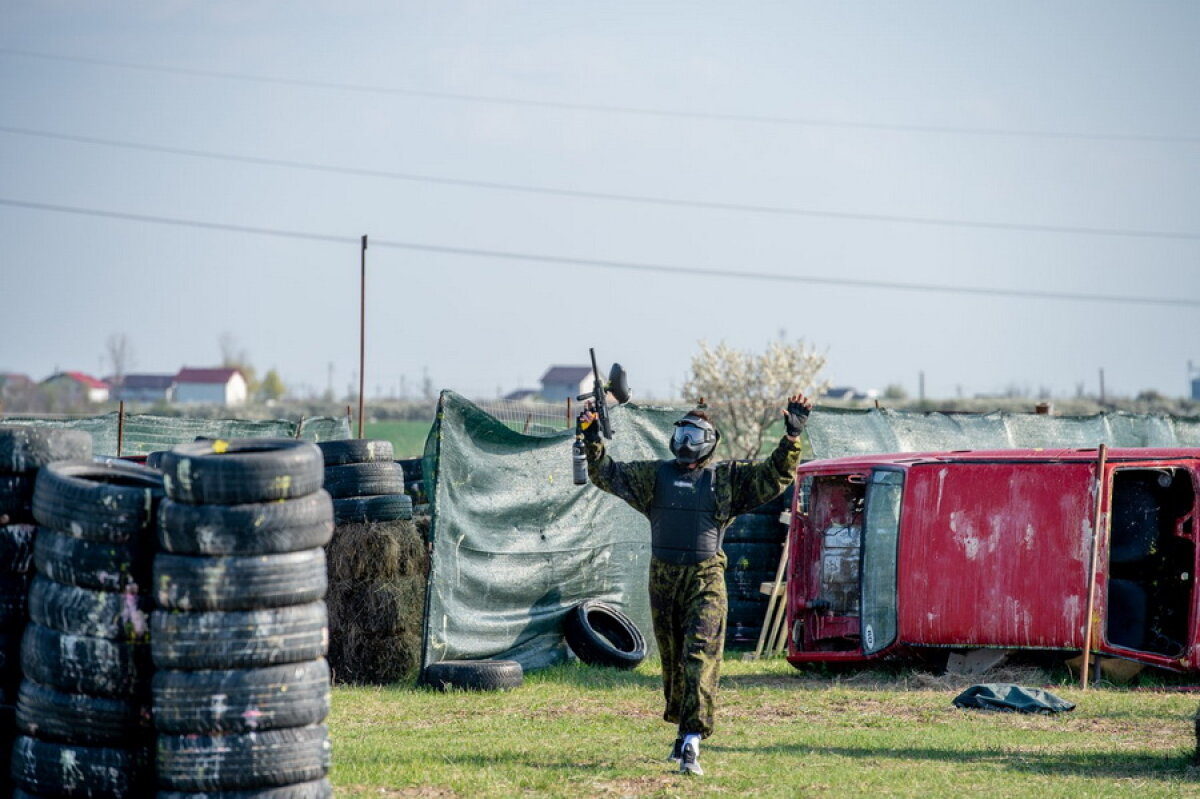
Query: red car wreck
[{"x": 964, "y": 550}]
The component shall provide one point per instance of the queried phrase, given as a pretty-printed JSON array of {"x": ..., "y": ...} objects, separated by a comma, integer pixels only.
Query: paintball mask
[{"x": 693, "y": 440}]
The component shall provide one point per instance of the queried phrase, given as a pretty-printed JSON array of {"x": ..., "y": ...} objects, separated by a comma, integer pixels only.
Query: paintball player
[{"x": 689, "y": 502}]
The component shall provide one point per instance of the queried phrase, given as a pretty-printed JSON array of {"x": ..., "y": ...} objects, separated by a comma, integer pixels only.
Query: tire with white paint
[
  {"x": 239, "y": 639},
  {"x": 52, "y": 715},
  {"x": 72, "y": 771},
  {"x": 317, "y": 789},
  {"x": 115, "y": 501},
  {"x": 247, "y": 529},
  {"x": 356, "y": 450},
  {"x": 86, "y": 612},
  {"x": 16, "y": 547},
  {"x": 241, "y": 700},
  {"x": 84, "y": 664},
  {"x": 234, "y": 761},
  {"x": 242, "y": 470},
  {"x": 239, "y": 582},
  {"x": 92, "y": 564}
]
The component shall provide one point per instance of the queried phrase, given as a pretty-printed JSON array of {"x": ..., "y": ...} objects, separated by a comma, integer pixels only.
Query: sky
[{"x": 992, "y": 196}]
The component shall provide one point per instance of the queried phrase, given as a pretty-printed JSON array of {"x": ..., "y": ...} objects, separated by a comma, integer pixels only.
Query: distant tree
[
  {"x": 895, "y": 391},
  {"x": 272, "y": 387},
  {"x": 746, "y": 391},
  {"x": 120, "y": 355},
  {"x": 233, "y": 357}
]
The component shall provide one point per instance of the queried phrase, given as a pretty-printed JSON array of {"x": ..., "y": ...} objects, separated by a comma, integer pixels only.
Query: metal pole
[
  {"x": 362, "y": 334},
  {"x": 120, "y": 426},
  {"x": 1091, "y": 588}
]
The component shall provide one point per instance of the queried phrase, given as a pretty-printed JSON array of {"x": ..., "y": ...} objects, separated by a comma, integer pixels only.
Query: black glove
[
  {"x": 796, "y": 417},
  {"x": 589, "y": 428}
]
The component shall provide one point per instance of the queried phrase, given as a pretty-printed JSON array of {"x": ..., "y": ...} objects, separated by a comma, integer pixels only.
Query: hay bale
[
  {"x": 391, "y": 608},
  {"x": 375, "y": 552},
  {"x": 376, "y": 601},
  {"x": 375, "y": 660}
]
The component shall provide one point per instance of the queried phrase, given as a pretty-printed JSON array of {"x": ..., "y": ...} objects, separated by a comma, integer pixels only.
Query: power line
[
  {"x": 606, "y": 196},
  {"x": 608, "y": 109},
  {"x": 607, "y": 264}
]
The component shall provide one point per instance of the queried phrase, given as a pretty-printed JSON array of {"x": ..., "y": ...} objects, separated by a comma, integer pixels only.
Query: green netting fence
[{"x": 144, "y": 433}]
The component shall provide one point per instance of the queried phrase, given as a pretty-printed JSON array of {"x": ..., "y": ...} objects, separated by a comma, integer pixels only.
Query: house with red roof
[
  {"x": 210, "y": 386},
  {"x": 76, "y": 388}
]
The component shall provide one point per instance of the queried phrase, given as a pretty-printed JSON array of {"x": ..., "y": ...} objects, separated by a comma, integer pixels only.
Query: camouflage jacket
[{"x": 739, "y": 485}]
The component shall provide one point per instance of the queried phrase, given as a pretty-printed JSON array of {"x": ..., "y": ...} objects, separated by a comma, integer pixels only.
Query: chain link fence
[{"x": 533, "y": 418}]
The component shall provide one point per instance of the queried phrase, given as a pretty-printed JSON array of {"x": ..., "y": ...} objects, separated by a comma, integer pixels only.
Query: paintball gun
[{"x": 618, "y": 386}]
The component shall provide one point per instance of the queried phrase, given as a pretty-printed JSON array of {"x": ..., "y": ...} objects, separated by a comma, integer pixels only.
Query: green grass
[
  {"x": 574, "y": 731},
  {"x": 407, "y": 436}
]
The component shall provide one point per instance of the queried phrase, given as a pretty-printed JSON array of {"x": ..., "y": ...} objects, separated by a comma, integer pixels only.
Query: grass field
[
  {"x": 407, "y": 437},
  {"x": 575, "y": 731}
]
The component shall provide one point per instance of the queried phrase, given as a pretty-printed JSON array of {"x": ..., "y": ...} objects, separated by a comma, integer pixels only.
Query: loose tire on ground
[
  {"x": 237, "y": 762},
  {"x": 383, "y": 508},
  {"x": 291, "y": 695},
  {"x": 26, "y": 448},
  {"x": 473, "y": 675},
  {"x": 364, "y": 480},
  {"x": 115, "y": 501},
  {"x": 52, "y": 715},
  {"x": 242, "y": 639},
  {"x": 84, "y": 665},
  {"x": 239, "y": 582},
  {"x": 356, "y": 450},
  {"x": 242, "y": 470},
  {"x": 92, "y": 564},
  {"x": 256, "y": 528},
  {"x": 601, "y": 635},
  {"x": 46, "y": 768}
]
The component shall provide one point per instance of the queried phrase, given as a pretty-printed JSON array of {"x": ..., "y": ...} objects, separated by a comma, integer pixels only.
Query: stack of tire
[
  {"x": 753, "y": 545},
  {"x": 23, "y": 451},
  {"x": 377, "y": 565},
  {"x": 366, "y": 483},
  {"x": 241, "y": 687},
  {"x": 83, "y": 709}
]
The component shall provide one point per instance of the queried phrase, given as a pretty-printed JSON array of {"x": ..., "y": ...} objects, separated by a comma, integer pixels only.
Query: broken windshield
[{"x": 880, "y": 538}]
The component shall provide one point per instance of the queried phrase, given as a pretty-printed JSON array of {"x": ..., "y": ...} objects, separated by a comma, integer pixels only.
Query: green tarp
[
  {"x": 144, "y": 433},
  {"x": 515, "y": 544}
]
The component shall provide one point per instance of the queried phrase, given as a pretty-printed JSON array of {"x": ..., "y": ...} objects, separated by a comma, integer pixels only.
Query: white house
[
  {"x": 216, "y": 386},
  {"x": 561, "y": 382}
]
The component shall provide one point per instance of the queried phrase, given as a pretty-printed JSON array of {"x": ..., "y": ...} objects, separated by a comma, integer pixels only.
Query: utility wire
[
  {"x": 608, "y": 196},
  {"x": 607, "y": 264},
  {"x": 608, "y": 109}
]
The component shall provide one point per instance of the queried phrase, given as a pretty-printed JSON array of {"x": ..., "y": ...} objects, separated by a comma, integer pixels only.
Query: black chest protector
[{"x": 683, "y": 516}]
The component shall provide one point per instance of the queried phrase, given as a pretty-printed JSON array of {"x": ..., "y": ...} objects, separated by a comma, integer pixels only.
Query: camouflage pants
[{"x": 689, "y": 606}]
